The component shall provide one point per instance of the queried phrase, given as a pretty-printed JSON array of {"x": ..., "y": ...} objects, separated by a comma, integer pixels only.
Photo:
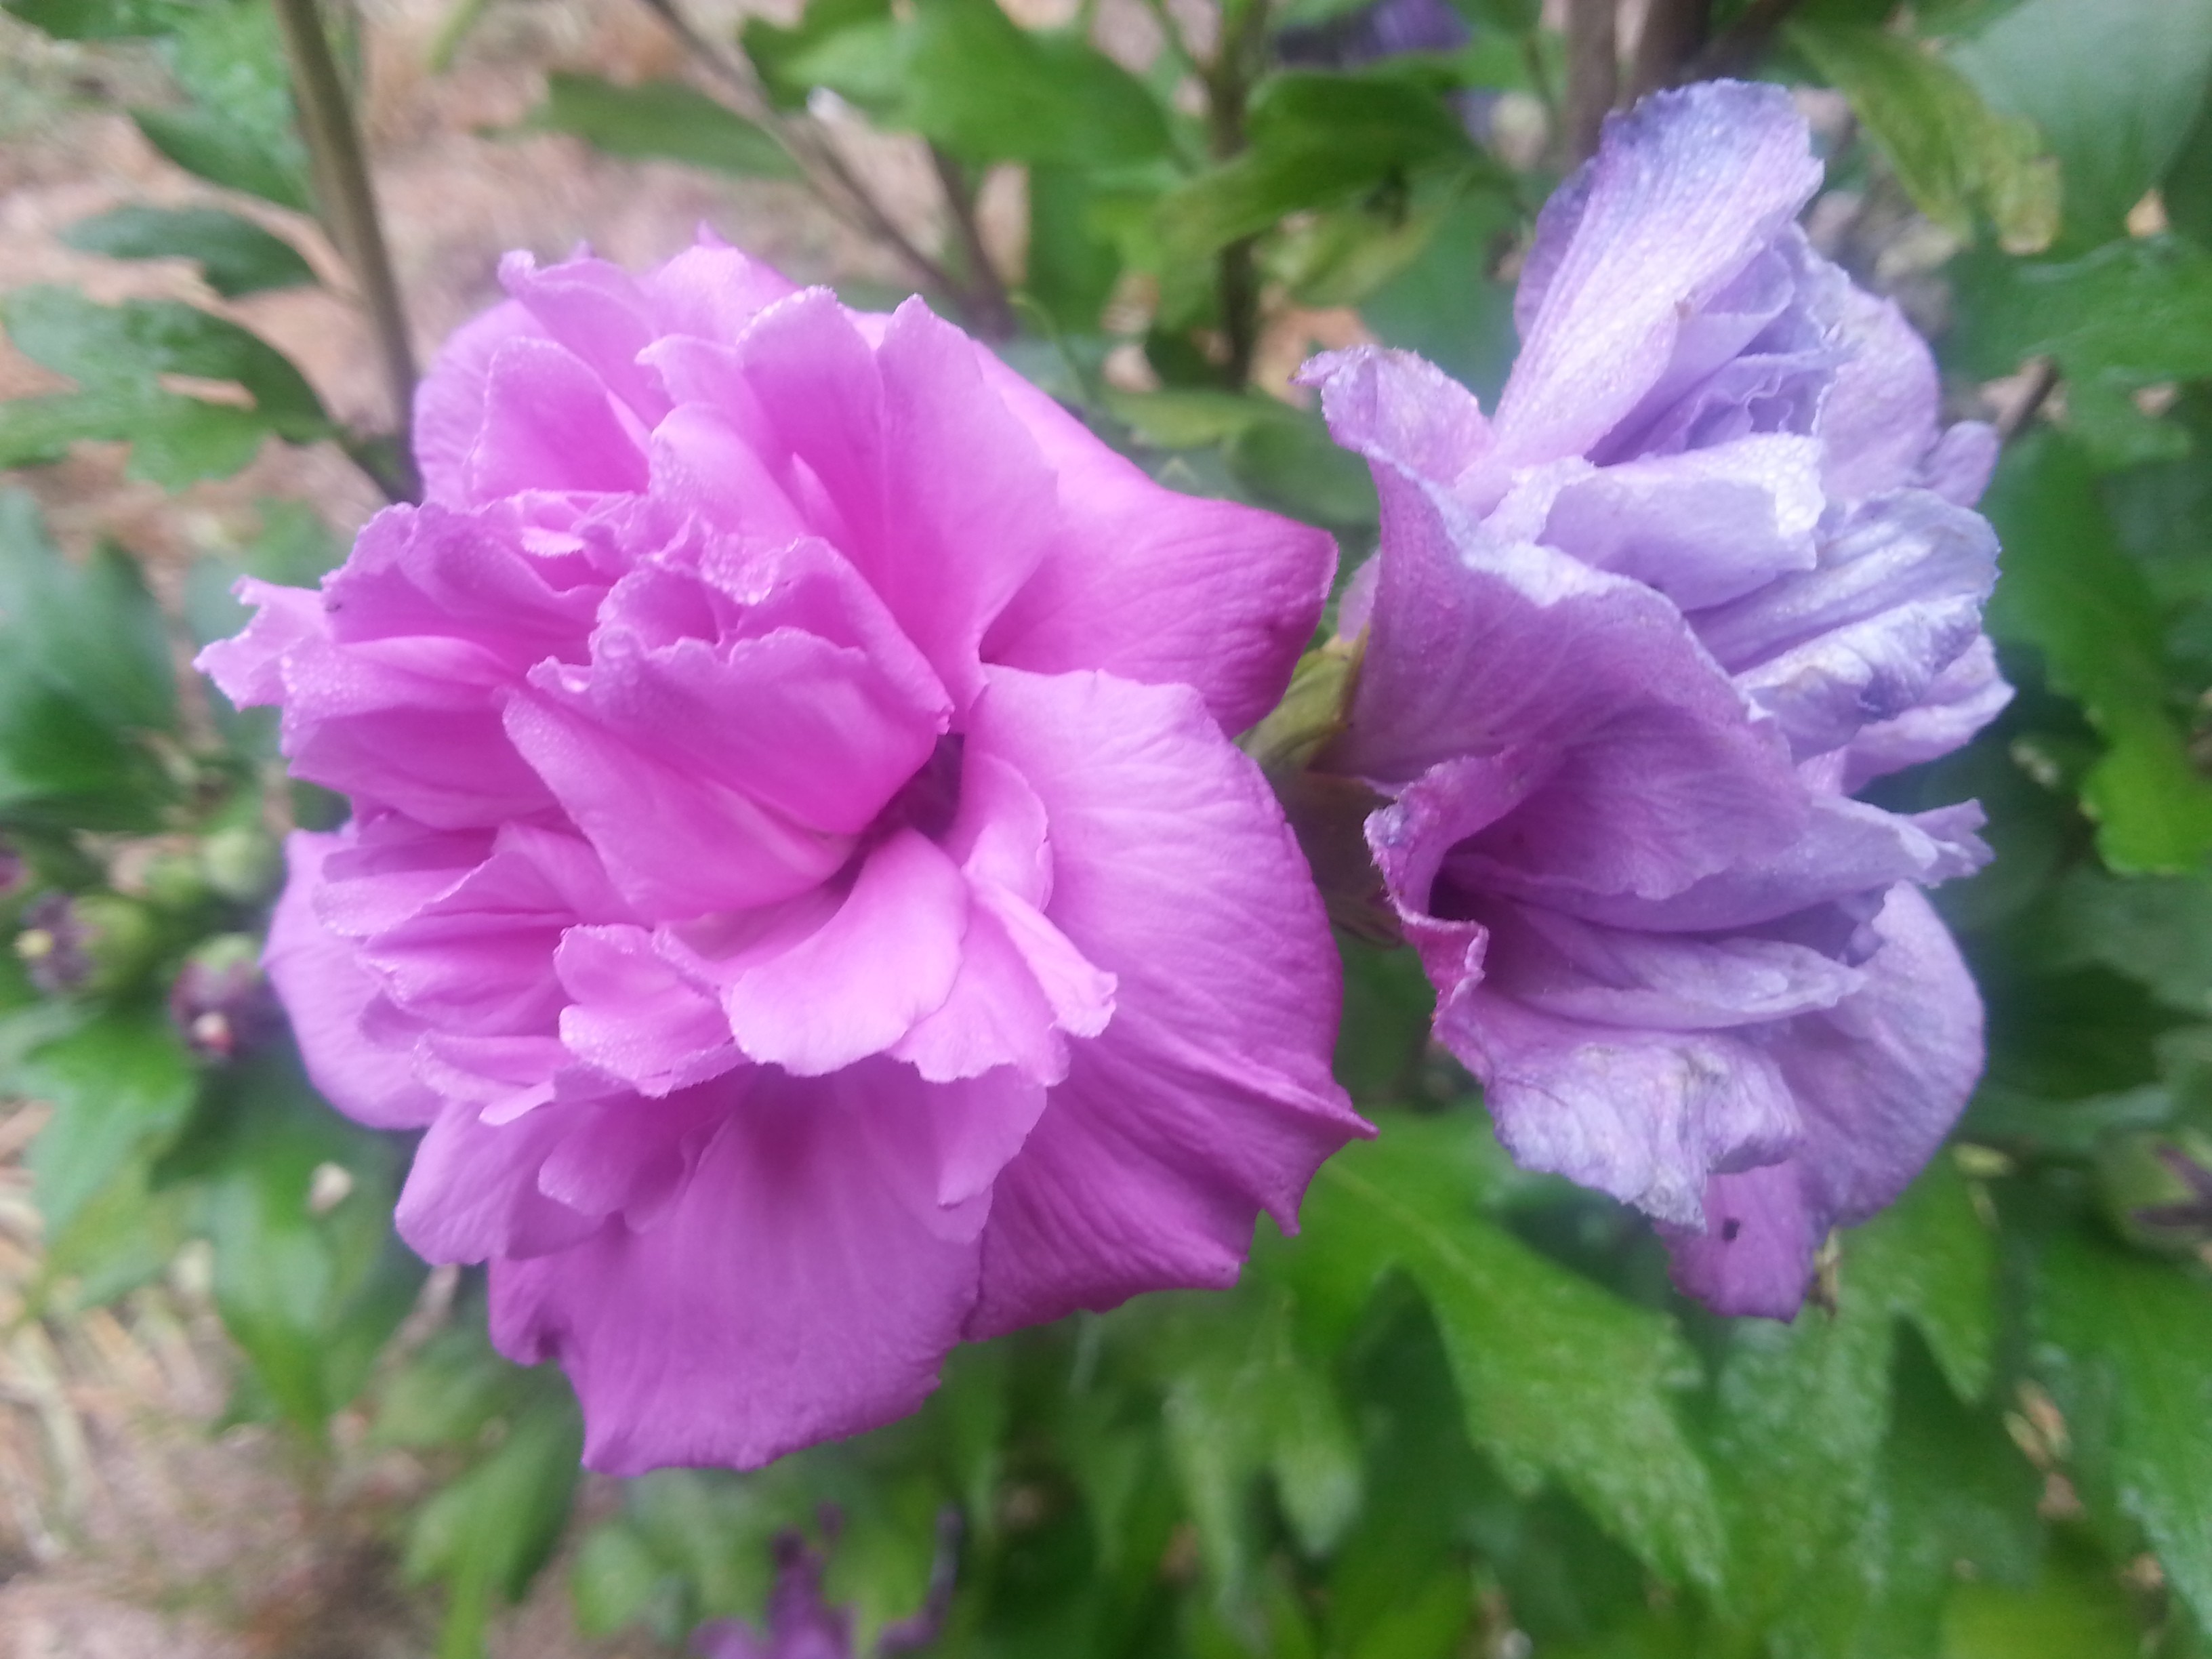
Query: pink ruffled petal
[{"x": 1207, "y": 1096}]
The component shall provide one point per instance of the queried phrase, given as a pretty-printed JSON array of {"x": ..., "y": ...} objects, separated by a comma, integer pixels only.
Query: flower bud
[
  {"x": 2157, "y": 1188},
  {"x": 219, "y": 1002},
  {"x": 241, "y": 862},
  {"x": 91, "y": 943}
]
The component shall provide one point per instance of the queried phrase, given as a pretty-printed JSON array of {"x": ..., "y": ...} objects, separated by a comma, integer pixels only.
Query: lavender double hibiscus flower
[
  {"x": 1629, "y": 643},
  {"x": 801, "y": 882}
]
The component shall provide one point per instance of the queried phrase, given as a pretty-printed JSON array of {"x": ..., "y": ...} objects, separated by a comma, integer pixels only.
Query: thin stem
[
  {"x": 348, "y": 201},
  {"x": 815, "y": 154},
  {"x": 1593, "y": 72},
  {"x": 985, "y": 292},
  {"x": 1674, "y": 32},
  {"x": 1236, "y": 59},
  {"x": 2043, "y": 380}
]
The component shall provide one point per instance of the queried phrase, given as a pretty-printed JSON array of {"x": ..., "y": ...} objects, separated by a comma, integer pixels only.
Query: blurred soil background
[{"x": 133, "y": 1523}]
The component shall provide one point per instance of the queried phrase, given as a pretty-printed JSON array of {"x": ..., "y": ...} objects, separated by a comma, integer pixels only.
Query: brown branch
[
  {"x": 347, "y": 199},
  {"x": 2043, "y": 380},
  {"x": 984, "y": 293},
  {"x": 1593, "y": 72},
  {"x": 1237, "y": 58},
  {"x": 1674, "y": 32}
]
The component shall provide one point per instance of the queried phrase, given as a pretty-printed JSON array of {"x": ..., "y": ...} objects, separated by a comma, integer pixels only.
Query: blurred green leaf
[
  {"x": 1950, "y": 151},
  {"x": 1555, "y": 1376},
  {"x": 2124, "y": 1339},
  {"x": 1316, "y": 141},
  {"x": 102, "y": 20},
  {"x": 234, "y": 254},
  {"x": 2069, "y": 590},
  {"x": 658, "y": 121},
  {"x": 121, "y": 357},
  {"x": 297, "y": 1202},
  {"x": 91, "y": 631},
  {"x": 2156, "y": 930},
  {"x": 2114, "y": 85},
  {"x": 120, "y": 1087},
  {"x": 450, "y": 1390},
  {"x": 851, "y": 47},
  {"x": 122, "y": 1237},
  {"x": 205, "y": 143},
  {"x": 989, "y": 90},
  {"x": 615, "y": 1578},
  {"x": 2136, "y": 311},
  {"x": 485, "y": 1536},
  {"x": 2076, "y": 1610},
  {"x": 1443, "y": 305}
]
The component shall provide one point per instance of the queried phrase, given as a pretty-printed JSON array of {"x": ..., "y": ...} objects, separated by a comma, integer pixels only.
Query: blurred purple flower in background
[
  {"x": 797, "y": 878},
  {"x": 1633, "y": 640},
  {"x": 801, "y": 1625}
]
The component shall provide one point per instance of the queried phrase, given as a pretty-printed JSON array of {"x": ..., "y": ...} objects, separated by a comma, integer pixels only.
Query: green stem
[
  {"x": 348, "y": 201},
  {"x": 1236, "y": 59}
]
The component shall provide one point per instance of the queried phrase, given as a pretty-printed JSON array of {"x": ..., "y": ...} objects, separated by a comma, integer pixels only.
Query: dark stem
[
  {"x": 1593, "y": 72},
  {"x": 2043, "y": 380},
  {"x": 1237, "y": 59},
  {"x": 1737, "y": 48},
  {"x": 1674, "y": 32},
  {"x": 817, "y": 156},
  {"x": 984, "y": 295},
  {"x": 347, "y": 200}
]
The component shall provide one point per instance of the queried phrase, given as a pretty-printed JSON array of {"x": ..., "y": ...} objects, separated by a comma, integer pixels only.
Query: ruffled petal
[
  {"x": 804, "y": 1285},
  {"x": 325, "y": 991},
  {"x": 1207, "y": 1096}
]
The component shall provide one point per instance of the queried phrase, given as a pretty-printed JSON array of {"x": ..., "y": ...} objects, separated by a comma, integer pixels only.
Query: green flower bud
[{"x": 90, "y": 943}]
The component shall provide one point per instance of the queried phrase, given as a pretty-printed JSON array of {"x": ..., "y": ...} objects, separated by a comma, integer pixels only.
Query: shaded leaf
[
  {"x": 234, "y": 254},
  {"x": 120, "y": 1087},
  {"x": 989, "y": 90},
  {"x": 851, "y": 47},
  {"x": 102, "y": 20},
  {"x": 1950, "y": 151},
  {"x": 2125, "y": 1340},
  {"x": 2114, "y": 85},
  {"x": 204, "y": 144},
  {"x": 658, "y": 121},
  {"x": 2070, "y": 592},
  {"x": 1556, "y": 1376}
]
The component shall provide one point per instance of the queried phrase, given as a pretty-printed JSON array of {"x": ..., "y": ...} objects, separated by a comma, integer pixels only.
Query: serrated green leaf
[
  {"x": 1932, "y": 1260},
  {"x": 121, "y": 1086},
  {"x": 988, "y": 90},
  {"x": 235, "y": 255},
  {"x": 92, "y": 631},
  {"x": 2124, "y": 1339},
  {"x": 1557, "y": 1377},
  {"x": 2072, "y": 592},
  {"x": 120, "y": 355},
  {"x": 658, "y": 121},
  {"x": 205, "y": 144},
  {"x": 1949, "y": 150},
  {"x": 2114, "y": 85}
]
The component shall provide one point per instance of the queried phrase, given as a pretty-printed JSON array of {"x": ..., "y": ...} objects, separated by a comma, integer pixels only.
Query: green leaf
[
  {"x": 989, "y": 90},
  {"x": 91, "y": 631},
  {"x": 1317, "y": 141},
  {"x": 205, "y": 144},
  {"x": 2156, "y": 930},
  {"x": 2124, "y": 1341},
  {"x": 486, "y": 1535},
  {"x": 235, "y": 255},
  {"x": 449, "y": 1391},
  {"x": 2133, "y": 313},
  {"x": 2114, "y": 85},
  {"x": 1556, "y": 1376},
  {"x": 308, "y": 1277},
  {"x": 121, "y": 1087},
  {"x": 851, "y": 47},
  {"x": 102, "y": 20},
  {"x": 615, "y": 1578},
  {"x": 1932, "y": 1260},
  {"x": 2077, "y": 1610},
  {"x": 2070, "y": 592},
  {"x": 124, "y": 1236},
  {"x": 1442, "y": 304},
  {"x": 1948, "y": 149},
  {"x": 658, "y": 121},
  {"x": 120, "y": 355}
]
